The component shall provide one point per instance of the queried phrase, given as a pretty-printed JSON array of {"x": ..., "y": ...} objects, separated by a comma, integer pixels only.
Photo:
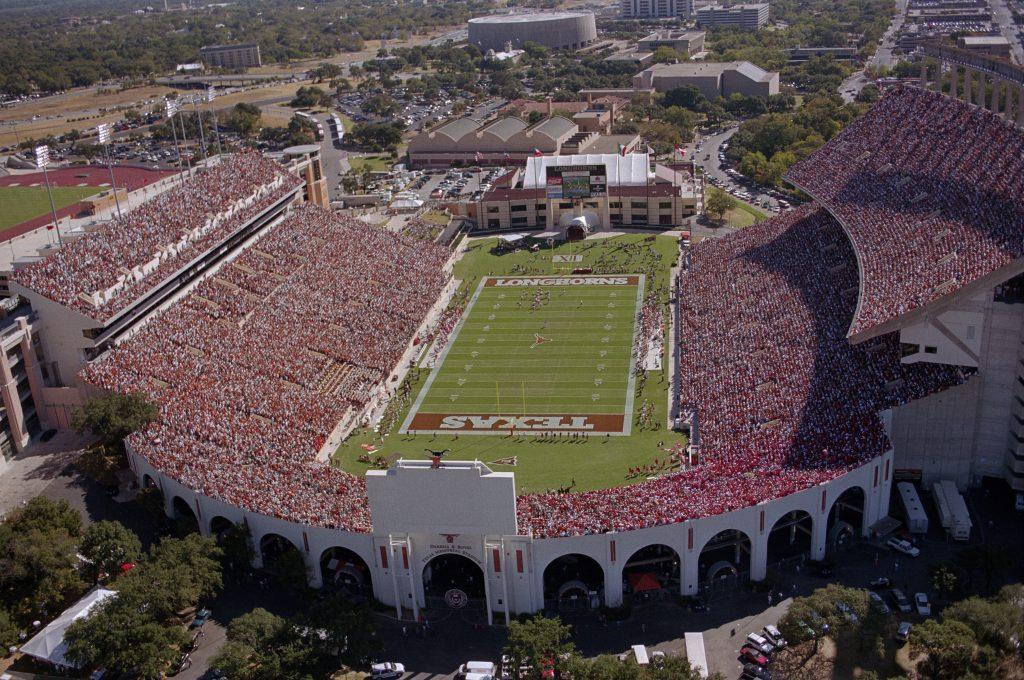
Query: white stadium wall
[
  {"x": 555, "y": 30},
  {"x": 514, "y": 564}
]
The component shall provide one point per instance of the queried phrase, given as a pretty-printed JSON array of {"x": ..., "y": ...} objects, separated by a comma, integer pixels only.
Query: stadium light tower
[
  {"x": 42, "y": 153},
  {"x": 199, "y": 122},
  {"x": 103, "y": 133},
  {"x": 211, "y": 94},
  {"x": 170, "y": 108}
]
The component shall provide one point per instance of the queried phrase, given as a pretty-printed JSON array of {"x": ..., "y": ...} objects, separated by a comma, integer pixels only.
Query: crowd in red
[
  {"x": 107, "y": 270},
  {"x": 931, "y": 191},
  {"x": 254, "y": 369},
  {"x": 782, "y": 400}
]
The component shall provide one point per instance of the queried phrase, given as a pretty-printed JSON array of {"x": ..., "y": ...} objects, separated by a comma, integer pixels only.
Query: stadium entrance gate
[{"x": 453, "y": 582}]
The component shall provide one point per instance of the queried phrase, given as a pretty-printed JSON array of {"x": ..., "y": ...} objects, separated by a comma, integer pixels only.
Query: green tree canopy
[
  {"x": 107, "y": 545},
  {"x": 538, "y": 643},
  {"x": 113, "y": 416},
  {"x": 717, "y": 203}
]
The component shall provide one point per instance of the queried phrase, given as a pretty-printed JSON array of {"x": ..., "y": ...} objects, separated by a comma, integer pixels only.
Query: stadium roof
[
  {"x": 526, "y": 17},
  {"x": 629, "y": 170},
  {"x": 929, "y": 190}
]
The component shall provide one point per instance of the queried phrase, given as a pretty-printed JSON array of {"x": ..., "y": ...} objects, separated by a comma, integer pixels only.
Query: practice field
[
  {"x": 537, "y": 355},
  {"x": 18, "y": 204}
]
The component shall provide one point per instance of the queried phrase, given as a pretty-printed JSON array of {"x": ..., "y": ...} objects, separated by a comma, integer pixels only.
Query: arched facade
[{"x": 514, "y": 565}]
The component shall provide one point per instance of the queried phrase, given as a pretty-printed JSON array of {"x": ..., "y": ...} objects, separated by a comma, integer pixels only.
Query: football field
[{"x": 541, "y": 355}]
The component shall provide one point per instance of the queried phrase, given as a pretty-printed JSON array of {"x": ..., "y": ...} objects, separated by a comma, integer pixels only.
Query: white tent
[{"x": 49, "y": 644}]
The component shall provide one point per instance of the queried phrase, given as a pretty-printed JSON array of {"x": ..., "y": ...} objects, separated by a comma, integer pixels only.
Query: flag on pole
[
  {"x": 622, "y": 149},
  {"x": 537, "y": 153},
  {"x": 171, "y": 106},
  {"x": 680, "y": 150},
  {"x": 103, "y": 133},
  {"x": 42, "y": 154}
]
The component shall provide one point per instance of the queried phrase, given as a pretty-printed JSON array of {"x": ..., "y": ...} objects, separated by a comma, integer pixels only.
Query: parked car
[
  {"x": 878, "y": 603},
  {"x": 775, "y": 637},
  {"x": 387, "y": 670},
  {"x": 902, "y": 603},
  {"x": 751, "y": 655},
  {"x": 846, "y": 611},
  {"x": 880, "y": 582},
  {"x": 201, "y": 617},
  {"x": 477, "y": 670},
  {"x": 760, "y": 643},
  {"x": 903, "y": 632},
  {"x": 924, "y": 607},
  {"x": 755, "y": 672},
  {"x": 902, "y": 546}
]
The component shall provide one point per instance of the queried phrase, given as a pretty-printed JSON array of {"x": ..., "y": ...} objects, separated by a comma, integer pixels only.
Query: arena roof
[
  {"x": 527, "y": 17},
  {"x": 929, "y": 190}
]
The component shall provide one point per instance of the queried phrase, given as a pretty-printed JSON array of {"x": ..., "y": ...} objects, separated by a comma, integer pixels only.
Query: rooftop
[{"x": 527, "y": 17}]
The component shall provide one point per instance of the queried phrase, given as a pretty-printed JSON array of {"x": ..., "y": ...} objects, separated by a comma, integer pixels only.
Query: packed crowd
[
  {"x": 238, "y": 366},
  {"x": 931, "y": 192},
  {"x": 105, "y": 271},
  {"x": 784, "y": 400}
]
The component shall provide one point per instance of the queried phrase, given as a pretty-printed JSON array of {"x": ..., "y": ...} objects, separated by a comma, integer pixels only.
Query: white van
[
  {"x": 760, "y": 643},
  {"x": 477, "y": 670}
]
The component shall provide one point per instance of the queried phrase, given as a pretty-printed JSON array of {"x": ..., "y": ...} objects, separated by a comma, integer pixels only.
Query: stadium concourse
[{"x": 255, "y": 367}]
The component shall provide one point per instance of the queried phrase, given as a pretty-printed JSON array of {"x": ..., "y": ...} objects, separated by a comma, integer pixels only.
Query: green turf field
[
  {"x": 18, "y": 204},
  {"x": 540, "y": 462},
  {"x": 524, "y": 353}
]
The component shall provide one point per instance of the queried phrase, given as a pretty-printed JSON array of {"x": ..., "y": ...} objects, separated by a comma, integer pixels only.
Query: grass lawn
[
  {"x": 541, "y": 462},
  {"x": 372, "y": 163},
  {"x": 742, "y": 215},
  {"x": 436, "y": 217},
  {"x": 18, "y": 204}
]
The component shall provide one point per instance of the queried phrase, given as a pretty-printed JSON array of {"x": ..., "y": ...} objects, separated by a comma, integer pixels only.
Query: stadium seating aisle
[
  {"x": 237, "y": 366},
  {"x": 931, "y": 191},
  {"x": 785, "y": 402}
]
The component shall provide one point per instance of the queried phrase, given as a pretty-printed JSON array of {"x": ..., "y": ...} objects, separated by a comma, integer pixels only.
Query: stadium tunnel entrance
[
  {"x": 651, "y": 572},
  {"x": 724, "y": 560},
  {"x": 344, "y": 570},
  {"x": 219, "y": 525},
  {"x": 846, "y": 518},
  {"x": 278, "y": 553},
  {"x": 453, "y": 581},
  {"x": 573, "y": 582},
  {"x": 184, "y": 515},
  {"x": 790, "y": 537}
]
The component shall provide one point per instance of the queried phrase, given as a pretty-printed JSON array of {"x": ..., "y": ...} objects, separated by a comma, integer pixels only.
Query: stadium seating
[
  {"x": 931, "y": 192},
  {"x": 784, "y": 401},
  {"x": 254, "y": 369},
  {"x": 107, "y": 270}
]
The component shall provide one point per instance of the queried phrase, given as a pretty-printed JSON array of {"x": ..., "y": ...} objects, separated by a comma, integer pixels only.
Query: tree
[
  {"x": 667, "y": 55},
  {"x": 944, "y": 580},
  {"x": 125, "y": 637},
  {"x": 178, "y": 573},
  {"x": 994, "y": 622},
  {"x": 687, "y": 96},
  {"x": 264, "y": 646},
  {"x": 988, "y": 561},
  {"x": 662, "y": 136},
  {"x": 307, "y": 97},
  {"x": 347, "y": 631},
  {"x": 114, "y": 416},
  {"x": 325, "y": 71},
  {"x": 107, "y": 545},
  {"x": 538, "y": 643},
  {"x": 38, "y": 546},
  {"x": 868, "y": 94},
  {"x": 8, "y": 630},
  {"x": 718, "y": 203},
  {"x": 380, "y": 104},
  {"x": 244, "y": 119},
  {"x": 949, "y": 646}
]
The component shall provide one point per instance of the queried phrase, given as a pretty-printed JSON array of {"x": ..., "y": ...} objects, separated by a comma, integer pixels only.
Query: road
[
  {"x": 1004, "y": 19},
  {"x": 706, "y": 157},
  {"x": 883, "y": 56}
]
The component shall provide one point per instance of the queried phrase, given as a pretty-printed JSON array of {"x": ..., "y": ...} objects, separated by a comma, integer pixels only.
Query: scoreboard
[{"x": 577, "y": 181}]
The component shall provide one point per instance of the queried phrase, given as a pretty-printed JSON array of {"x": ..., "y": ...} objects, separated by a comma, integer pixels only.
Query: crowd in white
[
  {"x": 241, "y": 367},
  {"x": 931, "y": 191},
  {"x": 782, "y": 401},
  {"x": 104, "y": 271}
]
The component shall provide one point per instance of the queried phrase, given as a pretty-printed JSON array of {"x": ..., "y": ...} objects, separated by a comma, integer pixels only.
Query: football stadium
[{"x": 492, "y": 429}]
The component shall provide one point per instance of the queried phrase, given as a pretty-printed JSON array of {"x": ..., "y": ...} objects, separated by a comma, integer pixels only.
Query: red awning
[{"x": 643, "y": 582}]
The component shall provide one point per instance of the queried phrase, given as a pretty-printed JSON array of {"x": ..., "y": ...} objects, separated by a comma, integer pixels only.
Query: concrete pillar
[
  {"x": 1008, "y": 102},
  {"x": 35, "y": 375},
  {"x": 690, "y": 573},
  {"x": 980, "y": 98},
  {"x": 968, "y": 98},
  {"x": 937, "y": 83},
  {"x": 759, "y": 557},
  {"x": 994, "y": 100},
  {"x": 924, "y": 74},
  {"x": 954, "y": 78},
  {"x": 613, "y": 585},
  {"x": 819, "y": 534},
  {"x": 1020, "y": 107}
]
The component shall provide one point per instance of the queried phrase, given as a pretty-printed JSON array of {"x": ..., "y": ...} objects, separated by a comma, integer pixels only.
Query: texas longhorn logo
[
  {"x": 539, "y": 340},
  {"x": 450, "y": 538}
]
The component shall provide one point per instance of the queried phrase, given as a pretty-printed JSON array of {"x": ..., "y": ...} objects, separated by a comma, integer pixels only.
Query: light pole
[
  {"x": 42, "y": 160},
  {"x": 211, "y": 94},
  {"x": 199, "y": 121},
  {"x": 103, "y": 133},
  {"x": 170, "y": 108}
]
